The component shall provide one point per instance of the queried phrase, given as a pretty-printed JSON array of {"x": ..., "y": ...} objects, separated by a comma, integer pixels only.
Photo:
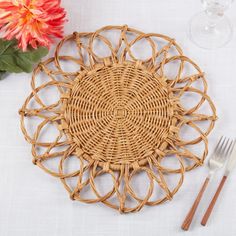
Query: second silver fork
[{"x": 216, "y": 161}]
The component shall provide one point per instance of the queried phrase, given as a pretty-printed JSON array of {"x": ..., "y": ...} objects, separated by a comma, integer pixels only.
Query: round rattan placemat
[{"x": 119, "y": 115}]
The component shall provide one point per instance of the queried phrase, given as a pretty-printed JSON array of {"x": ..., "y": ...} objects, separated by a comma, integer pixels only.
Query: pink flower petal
[{"x": 32, "y": 22}]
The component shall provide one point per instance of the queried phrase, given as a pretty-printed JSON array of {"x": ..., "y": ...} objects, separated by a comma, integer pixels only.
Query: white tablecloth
[{"x": 33, "y": 203}]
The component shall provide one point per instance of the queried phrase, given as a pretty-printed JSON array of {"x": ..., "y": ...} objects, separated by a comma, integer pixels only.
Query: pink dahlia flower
[{"x": 32, "y": 22}]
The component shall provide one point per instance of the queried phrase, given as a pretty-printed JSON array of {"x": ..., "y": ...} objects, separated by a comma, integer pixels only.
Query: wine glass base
[{"x": 210, "y": 37}]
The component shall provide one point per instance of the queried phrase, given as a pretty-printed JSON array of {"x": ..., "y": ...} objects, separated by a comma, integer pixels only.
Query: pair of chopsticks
[{"x": 224, "y": 151}]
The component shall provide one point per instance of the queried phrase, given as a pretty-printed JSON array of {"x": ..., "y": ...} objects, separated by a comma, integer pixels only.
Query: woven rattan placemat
[{"x": 119, "y": 115}]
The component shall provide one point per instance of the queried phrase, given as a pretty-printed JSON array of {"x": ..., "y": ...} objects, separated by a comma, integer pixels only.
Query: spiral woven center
[{"x": 119, "y": 113}]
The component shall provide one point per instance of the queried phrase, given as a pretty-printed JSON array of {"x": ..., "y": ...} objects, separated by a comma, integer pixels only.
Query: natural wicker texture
[{"x": 118, "y": 115}]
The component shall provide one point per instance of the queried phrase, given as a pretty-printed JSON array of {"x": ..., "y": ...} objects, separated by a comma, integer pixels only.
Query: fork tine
[
  {"x": 224, "y": 148},
  {"x": 231, "y": 147},
  {"x": 219, "y": 149},
  {"x": 223, "y": 153},
  {"x": 227, "y": 149},
  {"x": 217, "y": 145}
]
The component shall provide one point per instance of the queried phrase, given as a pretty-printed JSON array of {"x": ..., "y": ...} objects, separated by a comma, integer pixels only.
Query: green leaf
[
  {"x": 2, "y": 75},
  {"x": 14, "y": 60},
  {"x": 6, "y": 44}
]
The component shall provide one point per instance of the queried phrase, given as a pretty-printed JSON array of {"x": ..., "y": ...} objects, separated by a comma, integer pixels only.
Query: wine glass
[{"x": 211, "y": 28}]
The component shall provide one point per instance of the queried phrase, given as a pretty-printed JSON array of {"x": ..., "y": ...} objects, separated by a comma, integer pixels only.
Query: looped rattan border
[{"x": 86, "y": 108}]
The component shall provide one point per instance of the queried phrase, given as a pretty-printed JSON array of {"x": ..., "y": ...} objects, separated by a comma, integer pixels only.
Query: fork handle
[
  {"x": 188, "y": 219},
  {"x": 213, "y": 201}
]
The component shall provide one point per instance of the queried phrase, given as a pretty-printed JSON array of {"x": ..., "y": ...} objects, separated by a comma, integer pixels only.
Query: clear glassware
[{"x": 211, "y": 28}]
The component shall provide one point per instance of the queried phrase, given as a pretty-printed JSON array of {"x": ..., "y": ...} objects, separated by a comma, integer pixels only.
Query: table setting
[{"x": 117, "y": 117}]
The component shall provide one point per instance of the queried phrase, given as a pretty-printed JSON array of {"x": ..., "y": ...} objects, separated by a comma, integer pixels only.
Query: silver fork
[
  {"x": 216, "y": 161},
  {"x": 229, "y": 167}
]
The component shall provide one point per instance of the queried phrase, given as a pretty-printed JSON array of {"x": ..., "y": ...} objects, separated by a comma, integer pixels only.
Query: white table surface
[{"x": 33, "y": 203}]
